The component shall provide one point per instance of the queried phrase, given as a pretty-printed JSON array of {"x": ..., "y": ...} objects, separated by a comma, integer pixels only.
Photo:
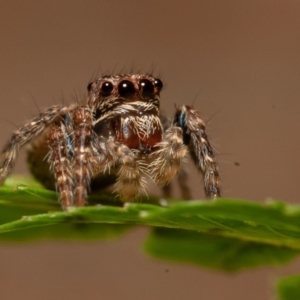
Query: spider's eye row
[
  {"x": 126, "y": 89},
  {"x": 158, "y": 84},
  {"x": 147, "y": 88},
  {"x": 106, "y": 88}
]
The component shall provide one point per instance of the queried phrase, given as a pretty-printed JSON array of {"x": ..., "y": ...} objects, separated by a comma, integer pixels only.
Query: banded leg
[
  {"x": 82, "y": 122},
  {"x": 22, "y": 136},
  {"x": 60, "y": 163},
  {"x": 195, "y": 137}
]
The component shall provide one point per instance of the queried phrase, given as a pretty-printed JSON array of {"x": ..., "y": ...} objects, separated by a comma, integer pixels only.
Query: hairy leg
[
  {"x": 194, "y": 135},
  {"x": 83, "y": 131},
  {"x": 130, "y": 178},
  {"x": 23, "y": 135},
  {"x": 60, "y": 163},
  {"x": 168, "y": 156}
]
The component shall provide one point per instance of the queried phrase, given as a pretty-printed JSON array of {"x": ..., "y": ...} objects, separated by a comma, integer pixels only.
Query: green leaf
[
  {"x": 19, "y": 200},
  {"x": 289, "y": 288},
  {"x": 214, "y": 251},
  {"x": 225, "y": 234}
]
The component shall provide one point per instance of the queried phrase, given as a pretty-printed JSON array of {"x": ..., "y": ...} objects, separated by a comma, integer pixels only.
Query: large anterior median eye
[
  {"x": 147, "y": 88},
  {"x": 126, "y": 89},
  {"x": 106, "y": 88}
]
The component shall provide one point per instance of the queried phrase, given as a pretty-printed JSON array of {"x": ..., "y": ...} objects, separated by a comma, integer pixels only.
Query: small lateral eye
[
  {"x": 147, "y": 88},
  {"x": 106, "y": 88},
  {"x": 158, "y": 84},
  {"x": 126, "y": 89},
  {"x": 89, "y": 87}
]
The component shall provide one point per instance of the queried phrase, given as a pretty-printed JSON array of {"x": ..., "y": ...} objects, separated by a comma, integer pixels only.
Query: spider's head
[{"x": 126, "y": 107}]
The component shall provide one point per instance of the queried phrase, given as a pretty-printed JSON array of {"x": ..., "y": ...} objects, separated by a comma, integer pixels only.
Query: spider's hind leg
[{"x": 195, "y": 137}]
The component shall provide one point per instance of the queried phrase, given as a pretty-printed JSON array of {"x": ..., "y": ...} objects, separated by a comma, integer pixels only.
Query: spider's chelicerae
[{"x": 118, "y": 126}]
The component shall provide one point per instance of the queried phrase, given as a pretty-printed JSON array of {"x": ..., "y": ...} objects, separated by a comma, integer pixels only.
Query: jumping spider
[{"x": 118, "y": 126}]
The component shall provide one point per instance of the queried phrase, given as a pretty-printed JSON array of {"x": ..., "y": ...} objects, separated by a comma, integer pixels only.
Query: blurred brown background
[{"x": 237, "y": 61}]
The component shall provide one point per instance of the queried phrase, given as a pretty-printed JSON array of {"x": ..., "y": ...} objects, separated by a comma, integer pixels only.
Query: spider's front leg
[
  {"x": 167, "y": 158},
  {"x": 70, "y": 143},
  {"x": 108, "y": 154},
  {"x": 194, "y": 136},
  {"x": 83, "y": 131},
  {"x": 60, "y": 163}
]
